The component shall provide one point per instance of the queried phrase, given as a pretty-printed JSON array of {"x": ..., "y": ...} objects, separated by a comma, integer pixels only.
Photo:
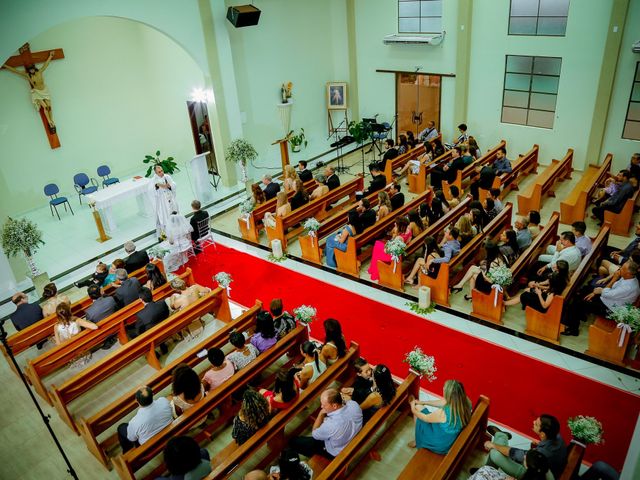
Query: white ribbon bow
[
  {"x": 624, "y": 329},
  {"x": 498, "y": 291},
  {"x": 246, "y": 219},
  {"x": 312, "y": 234}
]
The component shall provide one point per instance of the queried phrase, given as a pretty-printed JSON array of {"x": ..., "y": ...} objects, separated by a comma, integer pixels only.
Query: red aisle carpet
[{"x": 520, "y": 387}]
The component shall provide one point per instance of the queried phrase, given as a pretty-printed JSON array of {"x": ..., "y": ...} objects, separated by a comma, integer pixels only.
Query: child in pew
[
  {"x": 221, "y": 369},
  {"x": 609, "y": 188},
  {"x": 254, "y": 414},
  {"x": 285, "y": 390}
]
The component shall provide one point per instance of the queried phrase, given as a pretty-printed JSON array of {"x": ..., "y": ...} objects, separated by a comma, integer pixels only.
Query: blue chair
[
  {"x": 104, "y": 171},
  {"x": 51, "y": 190},
  {"x": 84, "y": 185},
  {"x": 380, "y": 133}
]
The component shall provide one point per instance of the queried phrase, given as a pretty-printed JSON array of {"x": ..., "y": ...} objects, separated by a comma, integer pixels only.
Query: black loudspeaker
[{"x": 243, "y": 15}]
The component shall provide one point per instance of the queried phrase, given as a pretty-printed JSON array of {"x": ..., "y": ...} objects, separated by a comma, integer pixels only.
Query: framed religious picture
[{"x": 337, "y": 95}]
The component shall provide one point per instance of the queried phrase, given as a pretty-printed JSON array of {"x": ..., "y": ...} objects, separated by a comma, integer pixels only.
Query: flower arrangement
[
  {"x": 168, "y": 164},
  {"x": 586, "y": 429},
  {"x": 297, "y": 140},
  {"x": 396, "y": 248},
  {"x": 423, "y": 364},
  {"x": 240, "y": 151},
  {"x": 500, "y": 275},
  {"x": 626, "y": 314},
  {"x": 311, "y": 225},
  {"x": 22, "y": 236},
  {"x": 158, "y": 252},
  {"x": 223, "y": 279},
  {"x": 305, "y": 314},
  {"x": 286, "y": 91},
  {"x": 247, "y": 206}
]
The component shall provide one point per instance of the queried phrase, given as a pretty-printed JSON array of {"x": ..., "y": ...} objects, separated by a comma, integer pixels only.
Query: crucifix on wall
[{"x": 40, "y": 95}]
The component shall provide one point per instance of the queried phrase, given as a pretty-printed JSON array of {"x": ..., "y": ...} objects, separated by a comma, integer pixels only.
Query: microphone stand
[
  {"x": 44, "y": 416},
  {"x": 340, "y": 168}
]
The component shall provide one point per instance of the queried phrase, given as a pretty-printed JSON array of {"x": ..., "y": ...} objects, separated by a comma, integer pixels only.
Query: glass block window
[
  {"x": 538, "y": 17},
  {"x": 419, "y": 16},
  {"x": 632, "y": 123},
  {"x": 530, "y": 90}
]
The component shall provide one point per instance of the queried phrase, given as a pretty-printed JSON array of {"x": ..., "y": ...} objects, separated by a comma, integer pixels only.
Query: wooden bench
[
  {"x": 391, "y": 276},
  {"x": 427, "y": 465},
  {"x": 574, "y": 207},
  {"x": 38, "y": 332},
  {"x": 524, "y": 166},
  {"x": 418, "y": 181},
  {"x": 62, "y": 355},
  {"x": 91, "y": 428},
  {"x": 575, "y": 455},
  {"x": 440, "y": 285},
  {"x": 319, "y": 208},
  {"x": 557, "y": 171},
  {"x": 144, "y": 345},
  {"x": 273, "y": 433},
  {"x": 340, "y": 466},
  {"x": 349, "y": 261},
  {"x": 604, "y": 341},
  {"x": 547, "y": 326},
  {"x": 621, "y": 222},
  {"x": 490, "y": 306},
  {"x": 251, "y": 225},
  {"x": 401, "y": 160}
]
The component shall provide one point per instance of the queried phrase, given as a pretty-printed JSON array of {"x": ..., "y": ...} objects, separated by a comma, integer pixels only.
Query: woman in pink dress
[{"x": 400, "y": 229}]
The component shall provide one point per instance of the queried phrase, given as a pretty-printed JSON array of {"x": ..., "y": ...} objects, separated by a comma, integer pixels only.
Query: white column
[{"x": 8, "y": 284}]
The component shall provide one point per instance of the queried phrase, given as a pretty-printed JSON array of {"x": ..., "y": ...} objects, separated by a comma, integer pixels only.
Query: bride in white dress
[{"x": 178, "y": 233}]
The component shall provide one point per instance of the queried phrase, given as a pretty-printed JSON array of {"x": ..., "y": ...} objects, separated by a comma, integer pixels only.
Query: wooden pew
[
  {"x": 427, "y": 465},
  {"x": 485, "y": 306},
  {"x": 574, "y": 460},
  {"x": 349, "y": 261},
  {"x": 340, "y": 466},
  {"x": 38, "y": 332},
  {"x": 273, "y": 433},
  {"x": 395, "y": 279},
  {"x": 547, "y": 325},
  {"x": 60, "y": 356},
  {"x": 604, "y": 341},
  {"x": 401, "y": 160},
  {"x": 621, "y": 222},
  {"x": 557, "y": 171},
  {"x": 574, "y": 207},
  {"x": 440, "y": 285},
  {"x": 144, "y": 345},
  {"x": 319, "y": 208},
  {"x": 91, "y": 428},
  {"x": 418, "y": 182},
  {"x": 251, "y": 225},
  {"x": 524, "y": 166}
]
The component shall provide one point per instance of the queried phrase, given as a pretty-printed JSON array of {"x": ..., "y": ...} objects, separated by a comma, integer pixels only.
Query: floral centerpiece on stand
[
  {"x": 500, "y": 278},
  {"x": 311, "y": 227},
  {"x": 421, "y": 364},
  {"x": 242, "y": 152},
  {"x": 586, "y": 430},
  {"x": 223, "y": 279},
  {"x": 286, "y": 91},
  {"x": 628, "y": 319},
  {"x": 395, "y": 248},
  {"x": 22, "y": 236},
  {"x": 304, "y": 315}
]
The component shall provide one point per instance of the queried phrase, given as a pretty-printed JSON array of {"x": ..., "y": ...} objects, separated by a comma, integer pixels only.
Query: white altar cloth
[{"x": 107, "y": 197}]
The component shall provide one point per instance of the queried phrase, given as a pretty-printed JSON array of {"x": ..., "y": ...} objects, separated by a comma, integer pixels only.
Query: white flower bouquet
[
  {"x": 305, "y": 314},
  {"x": 586, "y": 429},
  {"x": 247, "y": 206},
  {"x": 396, "y": 248},
  {"x": 500, "y": 275},
  {"x": 158, "y": 252},
  {"x": 223, "y": 279},
  {"x": 423, "y": 364},
  {"x": 626, "y": 314},
  {"x": 311, "y": 225}
]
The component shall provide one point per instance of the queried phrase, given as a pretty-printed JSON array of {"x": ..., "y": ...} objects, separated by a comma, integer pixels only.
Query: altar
[{"x": 106, "y": 198}]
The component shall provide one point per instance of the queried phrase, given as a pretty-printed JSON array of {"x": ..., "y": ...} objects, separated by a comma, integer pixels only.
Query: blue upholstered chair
[
  {"x": 84, "y": 185},
  {"x": 104, "y": 171},
  {"x": 51, "y": 190}
]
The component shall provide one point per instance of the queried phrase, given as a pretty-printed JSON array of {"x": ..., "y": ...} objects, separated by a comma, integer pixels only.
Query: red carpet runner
[{"x": 520, "y": 387}]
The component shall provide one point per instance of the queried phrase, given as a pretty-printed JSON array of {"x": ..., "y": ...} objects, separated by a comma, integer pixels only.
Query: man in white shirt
[
  {"x": 151, "y": 417},
  {"x": 565, "y": 250},
  {"x": 429, "y": 133},
  {"x": 337, "y": 423}
]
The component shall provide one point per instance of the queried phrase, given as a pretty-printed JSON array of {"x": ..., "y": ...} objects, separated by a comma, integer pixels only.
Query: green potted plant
[
  {"x": 168, "y": 164},
  {"x": 361, "y": 132},
  {"x": 240, "y": 151},
  {"x": 22, "y": 236},
  {"x": 298, "y": 141}
]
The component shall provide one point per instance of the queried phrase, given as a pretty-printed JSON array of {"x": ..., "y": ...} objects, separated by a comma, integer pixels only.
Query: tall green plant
[
  {"x": 21, "y": 236},
  {"x": 360, "y": 131},
  {"x": 240, "y": 151},
  {"x": 168, "y": 164}
]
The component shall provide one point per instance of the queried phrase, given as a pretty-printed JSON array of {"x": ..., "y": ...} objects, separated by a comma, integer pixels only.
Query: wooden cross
[{"x": 39, "y": 92}]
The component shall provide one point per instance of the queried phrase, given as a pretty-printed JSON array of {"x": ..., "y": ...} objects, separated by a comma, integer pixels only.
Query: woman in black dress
[
  {"x": 539, "y": 295},
  {"x": 301, "y": 197},
  {"x": 477, "y": 274}
]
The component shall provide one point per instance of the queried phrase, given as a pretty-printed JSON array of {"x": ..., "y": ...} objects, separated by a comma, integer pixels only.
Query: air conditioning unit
[
  {"x": 636, "y": 47},
  {"x": 395, "y": 39}
]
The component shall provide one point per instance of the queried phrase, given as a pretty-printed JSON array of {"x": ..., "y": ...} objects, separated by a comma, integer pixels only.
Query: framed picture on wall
[{"x": 336, "y": 95}]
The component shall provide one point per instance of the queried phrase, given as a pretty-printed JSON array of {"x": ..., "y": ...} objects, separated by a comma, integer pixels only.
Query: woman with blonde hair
[
  {"x": 68, "y": 325},
  {"x": 384, "y": 205},
  {"x": 465, "y": 230},
  {"x": 290, "y": 177},
  {"x": 437, "y": 430},
  {"x": 283, "y": 208}
]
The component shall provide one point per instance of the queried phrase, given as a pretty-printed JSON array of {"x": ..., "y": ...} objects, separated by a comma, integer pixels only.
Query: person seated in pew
[
  {"x": 425, "y": 263},
  {"x": 221, "y": 369},
  {"x": 480, "y": 218},
  {"x": 415, "y": 223},
  {"x": 439, "y": 197},
  {"x": 52, "y": 299},
  {"x": 185, "y": 460},
  {"x": 155, "y": 278},
  {"x": 186, "y": 389},
  {"x": 448, "y": 171},
  {"x": 509, "y": 246},
  {"x": 265, "y": 335},
  {"x": 600, "y": 470},
  {"x": 462, "y": 138},
  {"x": 485, "y": 175},
  {"x": 429, "y": 133},
  {"x": 152, "y": 313},
  {"x": 290, "y": 468},
  {"x": 111, "y": 276},
  {"x": 450, "y": 246},
  {"x": 128, "y": 290},
  {"x": 455, "y": 196},
  {"x": 311, "y": 367},
  {"x": 466, "y": 231},
  {"x": 254, "y": 414},
  {"x": 151, "y": 417},
  {"x": 403, "y": 144},
  {"x": 382, "y": 393},
  {"x": 535, "y": 463},
  {"x": 378, "y": 180},
  {"x": 257, "y": 194},
  {"x": 362, "y": 385},
  {"x": 283, "y": 321},
  {"x": 565, "y": 249},
  {"x": 384, "y": 205},
  {"x": 321, "y": 189},
  {"x": 612, "y": 262},
  {"x": 185, "y": 295},
  {"x": 510, "y": 459},
  {"x": 609, "y": 188},
  {"x": 437, "y": 430},
  {"x": 67, "y": 325},
  {"x": 339, "y": 240},
  {"x": 534, "y": 223},
  {"x": 622, "y": 289},
  {"x": 303, "y": 173},
  {"x": 334, "y": 346},
  {"x": 414, "y": 164},
  {"x": 98, "y": 277},
  {"x": 582, "y": 241},
  {"x": 334, "y": 427},
  {"x": 467, "y": 158},
  {"x": 539, "y": 295},
  {"x": 502, "y": 164},
  {"x": 438, "y": 148},
  {"x": 474, "y": 149},
  {"x": 410, "y": 138},
  {"x": 283, "y": 208},
  {"x": 271, "y": 188},
  {"x": 490, "y": 208},
  {"x": 396, "y": 196},
  {"x": 366, "y": 215},
  {"x": 476, "y": 275},
  {"x": 400, "y": 230},
  {"x": 523, "y": 232},
  {"x": 494, "y": 194},
  {"x": 333, "y": 181},
  {"x": 244, "y": 352},
  {"x": 301, "y": 197},
  {"x": 285, "y": 390},
  {"x": 390, "y": 153},
  {"x": 102, "y": 306},
  {"x": 136, "y": 259},
  {"x": 289, "y": 178},
  {"x": 634, "y": 166},
  {"x": 618, "y": 200}
]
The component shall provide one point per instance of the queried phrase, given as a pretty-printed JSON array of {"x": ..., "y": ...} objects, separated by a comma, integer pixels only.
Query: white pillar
[{"x": 8, "y": 284}]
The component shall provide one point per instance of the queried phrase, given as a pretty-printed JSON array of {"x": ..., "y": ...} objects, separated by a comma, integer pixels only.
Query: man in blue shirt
[
  {"x": 616, "y": 202},
  {"x": 502, "y": 164},
  {"x": 451, "y": 246}
]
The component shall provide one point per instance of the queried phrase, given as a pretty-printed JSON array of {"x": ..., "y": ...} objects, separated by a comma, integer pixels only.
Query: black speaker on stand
[{"x": 243, "y": 15}]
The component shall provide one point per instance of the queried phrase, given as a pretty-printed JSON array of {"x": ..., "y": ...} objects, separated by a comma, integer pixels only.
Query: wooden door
[{"x": 417, "y": 101}]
